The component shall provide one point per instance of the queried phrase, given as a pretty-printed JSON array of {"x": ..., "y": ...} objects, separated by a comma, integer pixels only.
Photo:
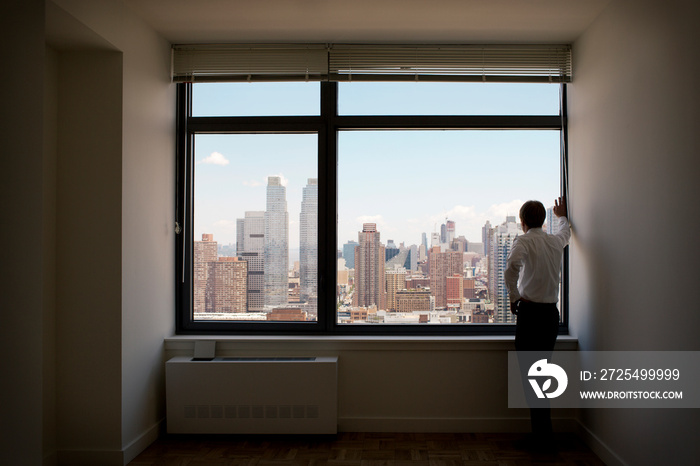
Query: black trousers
[{"x": 536, "y": 330}]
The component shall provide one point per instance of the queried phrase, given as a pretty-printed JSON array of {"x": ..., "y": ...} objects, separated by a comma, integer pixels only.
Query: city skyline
[
  {"x": 407, "y": 182},
  {"x": 393, "y": 187},
  {"x": 449, "y": 288}
]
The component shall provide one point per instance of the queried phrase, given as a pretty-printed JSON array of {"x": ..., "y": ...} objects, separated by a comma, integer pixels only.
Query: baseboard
[
  {"x": 142, "y": 442},
  {"x": 110, "y": 457},
  {"x": 598, "y": 446},
  {"x": 490, "y": 425}
]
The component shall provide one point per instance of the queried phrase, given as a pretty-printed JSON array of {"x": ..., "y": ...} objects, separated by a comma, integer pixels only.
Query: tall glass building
[
  {"x": 349, "y": 253},
  {"x": 250, "y": 246},
  {"x": 276, "y": 244},
  {"x": 308, "y": 242}
]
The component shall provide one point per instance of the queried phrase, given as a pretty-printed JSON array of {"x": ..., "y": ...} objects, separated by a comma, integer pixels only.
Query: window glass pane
[
  {"x": 256, "y": 99},
  {"x": 418, "y": 212},
  {"x": 255, "y": 227},
  {"x": 428, "y": 98}
]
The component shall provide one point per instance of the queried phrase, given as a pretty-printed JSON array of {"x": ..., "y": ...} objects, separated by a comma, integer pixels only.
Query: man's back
[
  {"x": 535, "y": 260},
  {"x": 533, "y": 269}
]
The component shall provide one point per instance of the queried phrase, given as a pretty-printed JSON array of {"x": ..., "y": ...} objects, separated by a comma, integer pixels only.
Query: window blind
[
  {"x": 345, "y": 62},
  {"x": 212, "y": 63}
]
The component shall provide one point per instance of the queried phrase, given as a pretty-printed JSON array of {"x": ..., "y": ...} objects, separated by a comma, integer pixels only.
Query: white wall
[
  {"x": 140, "y": 314},
  {"x": 89, "y": 205},
  {"x": 148, "y": 223},
  {"x": 634, "y": 140}
]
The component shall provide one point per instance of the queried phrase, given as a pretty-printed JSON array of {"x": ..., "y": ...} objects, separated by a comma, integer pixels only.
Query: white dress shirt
[{"x": 533, "y": 269}]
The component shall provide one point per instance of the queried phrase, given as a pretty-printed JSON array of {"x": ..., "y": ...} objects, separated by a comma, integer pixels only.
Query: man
[{"x": 532, "y": 276}]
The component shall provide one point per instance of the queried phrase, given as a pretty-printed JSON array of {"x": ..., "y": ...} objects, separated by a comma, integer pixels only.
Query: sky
[{"x": 407, "y": 182}]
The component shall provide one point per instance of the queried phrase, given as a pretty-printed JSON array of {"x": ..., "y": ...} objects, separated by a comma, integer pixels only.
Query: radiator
[{"x": 252, "y": 395}]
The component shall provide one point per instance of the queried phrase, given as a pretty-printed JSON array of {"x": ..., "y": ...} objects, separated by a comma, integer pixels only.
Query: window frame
[{"x": 327, "y": 126}]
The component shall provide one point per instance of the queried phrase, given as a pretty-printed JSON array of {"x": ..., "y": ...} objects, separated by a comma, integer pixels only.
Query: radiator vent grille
[
  {"x": 252, "y": 412},
  {"x": 266, "y": 359}
]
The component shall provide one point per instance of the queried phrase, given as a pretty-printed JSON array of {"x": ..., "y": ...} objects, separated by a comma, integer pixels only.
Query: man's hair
[{"x": 532, "y": 213}]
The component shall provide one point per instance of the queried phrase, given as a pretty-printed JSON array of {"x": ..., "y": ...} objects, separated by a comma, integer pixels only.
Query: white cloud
[
  {"x": 216, "y": 158},
  {"x": 462, "y": 211},
  {"x": 500, "y": 211}
]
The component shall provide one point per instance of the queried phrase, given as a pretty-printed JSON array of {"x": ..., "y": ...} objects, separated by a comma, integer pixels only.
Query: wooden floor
[{"x": 362, "y": 449}]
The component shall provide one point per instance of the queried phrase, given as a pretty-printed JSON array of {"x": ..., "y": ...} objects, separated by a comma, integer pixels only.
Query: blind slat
[{"x": 340, "y": 62}]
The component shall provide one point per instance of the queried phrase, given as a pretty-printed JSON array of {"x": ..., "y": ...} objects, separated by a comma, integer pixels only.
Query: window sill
[{"x": 266, "y": 343}]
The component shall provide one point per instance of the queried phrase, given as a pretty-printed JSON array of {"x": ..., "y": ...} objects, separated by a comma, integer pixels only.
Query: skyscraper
[
  {"x": 454, "y": 291},
  {"x": 205, "y": 251},
  {"x": 422, "y": 254},
  {"x": 226, "y": 285},
  {"x": 349, "y": 254},
  {"x": 219, "y": 283},
  {"x": 390, "y": 250},
  {"x": 450, "y": 231},
  {"x": 395, "y": 282},
  {"x": 551, "y": 224},
  {"x": 276, "y": 243},
  {"x": 486, "y": 237},
  {"x": 370, "y": 282},
  {"x": 443, "y": 265},
  {"x": 413, "y": 257},
  {"x": 250, "y": 236},
  {"x": 308, "y": 242},
  {"x": 502, "y": 242},
  {"x": 240, "y": 236}
]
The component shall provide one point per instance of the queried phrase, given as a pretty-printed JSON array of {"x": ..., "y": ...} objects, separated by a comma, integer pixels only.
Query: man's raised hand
[{"x": 559, "y": 207}]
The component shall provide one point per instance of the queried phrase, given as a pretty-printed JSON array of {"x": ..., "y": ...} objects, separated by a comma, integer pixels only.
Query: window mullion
[{"x": 327, "y": 167}]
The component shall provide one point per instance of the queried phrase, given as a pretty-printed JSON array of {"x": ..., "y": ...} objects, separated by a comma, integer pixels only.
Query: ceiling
[{"x": 369, "y": 21}]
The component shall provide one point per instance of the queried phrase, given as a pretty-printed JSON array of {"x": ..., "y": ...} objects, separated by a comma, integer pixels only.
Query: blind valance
[{"x": 346, "y": 62}]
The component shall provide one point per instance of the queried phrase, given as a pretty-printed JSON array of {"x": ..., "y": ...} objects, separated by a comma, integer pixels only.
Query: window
[
  {"x": 255, "y": 220},
  {"x": 447, "y": 98},
  {"x": 358, "y": 207}
]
